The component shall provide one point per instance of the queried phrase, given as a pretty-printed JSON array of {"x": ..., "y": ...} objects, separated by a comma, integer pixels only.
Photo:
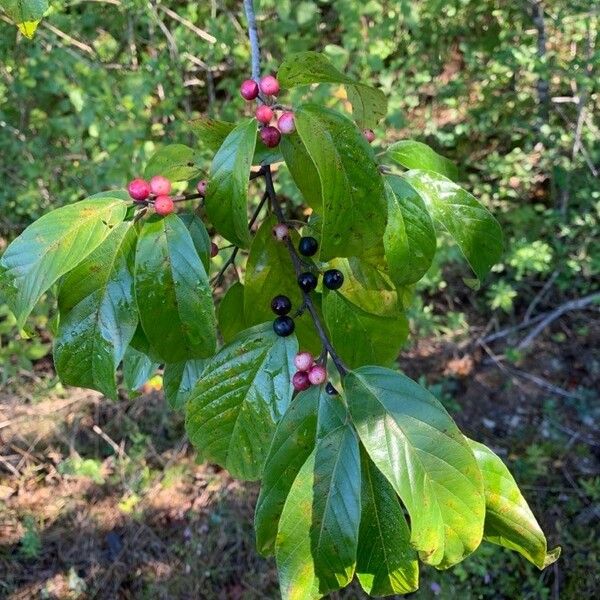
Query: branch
[
  {"x": 253, "y": 35},
  {"x": 298, "y": 267},
  {"x": 555, "y": 314}
]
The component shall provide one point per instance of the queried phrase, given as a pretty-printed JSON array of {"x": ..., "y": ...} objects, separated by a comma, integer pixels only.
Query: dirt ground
[{"x": 104, "y": 500}]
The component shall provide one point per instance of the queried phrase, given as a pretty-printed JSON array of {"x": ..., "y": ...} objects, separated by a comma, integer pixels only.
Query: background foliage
[{"x": 85, "y": 104}]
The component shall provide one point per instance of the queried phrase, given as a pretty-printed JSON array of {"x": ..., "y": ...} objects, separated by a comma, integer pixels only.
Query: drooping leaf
[
  {"x": 416, "y": 155},
  {"x": 293, "y": 443},
  {"x": 25, "y": 13},
  {"x": 316, "y": 543},
  {"x": 231, "y": 313},
  {"x": 173, "y": 293},
  {"x": 409, "y": 239},
  {"x": 385, "y": 564},
  {"x": 270, "y": 272},
  {"x": 98, "y": 314},
  {"x": 53, "y": 245},
  {"x": 199, "y": 235},
  {"x": 360, "y": 337},
  {"x": 176, "y": 162},
  {"x": 179, "y": 379},
  {"x": 369, "y": 105},
  {"x": 232, "y": 412},
  {"x": 509, "y": 521},
  {"x": 140, "y": 343},
  {"x": 415, "y": 443},
  {"x": 227, "y": 194},
  {"x": 365, "y": 308},
  {"x": 138, "y": 368},
  {"x": 473, "y": 228},
  {"x": 353, "y": 200},
  {"x": 302, "y": 169}
]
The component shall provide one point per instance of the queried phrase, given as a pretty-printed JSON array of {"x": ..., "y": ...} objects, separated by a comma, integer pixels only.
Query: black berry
[
  {"x": 284, "y": 326},
  {"x": 281, "y": 305},
  {"x": 308, "y": 246},
  {"x": 307, "y": 281},
  {"x": 331, "y": 390},
  {"x": 333, "y": 279}
]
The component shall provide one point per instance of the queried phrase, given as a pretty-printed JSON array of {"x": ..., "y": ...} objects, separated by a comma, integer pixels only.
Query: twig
[
  {"x": 298, "y": 268},
  {"x": 539, "y": 296},
  {"x": 199, "y": 32},
  {"x": 578, "y": 304},
  {"x": 218, "y": 278},
  {"x": 253, "y": 36}
]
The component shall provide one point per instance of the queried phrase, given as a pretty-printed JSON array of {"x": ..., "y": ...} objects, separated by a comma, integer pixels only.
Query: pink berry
[
  {"x": 300, "y": 381},
  {"x": 369, "y": 135},
  {"x": 271, "y": 136},
  {"x": 139, "y": 189},
  {"x": 201, "y": 187},
  {"x": 304, "y": 361},
  {"x": 160, "y": 186},
  {"x": 264, "y": 114},
  {"x": 269, "y": 85},
  {"x": 281, "y": 232},
  {"x": 214, "y": 250},
  {"x": 249, "y": 89},
  {"x": 317, "y": 375},
  {"x": 164, "y": 205},
  {"x": 286, "y": 123}
]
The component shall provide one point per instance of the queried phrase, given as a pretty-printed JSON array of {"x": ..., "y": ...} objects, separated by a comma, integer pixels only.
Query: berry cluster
[
  {"x": 268, "y": 86},
  {"x": 307, "y": 281},
  {"x": 156, "y": 190},
  {"x": 308, "y": 373}
]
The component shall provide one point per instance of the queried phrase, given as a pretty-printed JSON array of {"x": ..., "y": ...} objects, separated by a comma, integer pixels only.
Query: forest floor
[{"x": 102, "y": 499}]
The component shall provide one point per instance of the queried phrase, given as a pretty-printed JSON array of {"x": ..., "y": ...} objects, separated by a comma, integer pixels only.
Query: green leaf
[
  {"x": 293, "y": 443},
  {"x": 25, "y": 13},
  {"x": 317, "y": 536},
  {"x": 98, "y": 314},
  {"x": 212, "y": 133},
  {"x": 231, "y": 313},
  {"x": 179, "y": 380},
  {"x": 138, "y": 368},
  {"x": 409, "y": 239},
  {"x": 234, "y": 409},
  {"x": 269, "y": 272},
  {"x": 473, "y": 228},
  {"x": 173, "y": 293},
  {"x": 385, "y": 564},
  {"x": 302, "y": 169},
  {"x": 381, "y": 337},
  {"x": 415, "y": 443},
  {"x": 416, "y": 155},
  {"x": 199, "y": 235},
  {"x": 176, "y": 162},
  {"x": 353, "y": 200},
  {"x": 366, "y": 307},
  {"x": 53, "y": 245},
  {"x": 369, "y": 105},
  {"x": 509, "y": 521},
  {"x": 227, "y": 194}
]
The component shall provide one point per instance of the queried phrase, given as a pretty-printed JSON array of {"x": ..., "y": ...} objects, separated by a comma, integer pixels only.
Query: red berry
[
  {"x": 264, "y": 114},
  {"x": 139, "y": 189},
  {"x": 300, "y": 381},
  {"x": 249, "y": 89},
  {"x": 201, "y": 187},
  {"x": 269, "y": 85},
  {"x": 164, "y": 205},
  {"x": 214, "y": 250},
  {"x": 369, "y": 135},
  {"x": 286, "y": 123},
  {"x": 160, "y": 186},
  {"x": 281, "y": 232},
  {"x": 271, "y": 136},
  {"x": 304, "y": 361},
  {"x": 317, "y": 375}
]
